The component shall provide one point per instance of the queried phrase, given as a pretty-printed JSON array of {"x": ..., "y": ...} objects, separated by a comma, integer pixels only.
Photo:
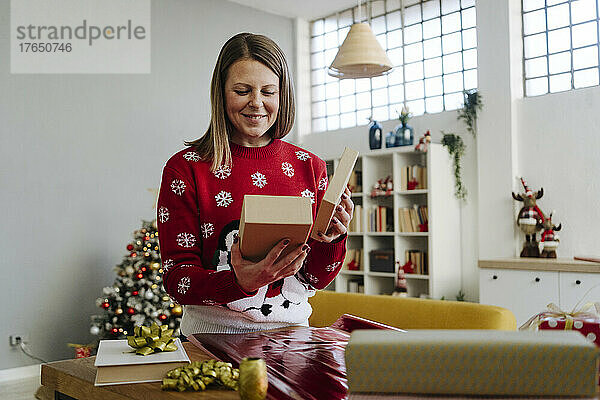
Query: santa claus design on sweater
[{"x": 272, "y": 302}]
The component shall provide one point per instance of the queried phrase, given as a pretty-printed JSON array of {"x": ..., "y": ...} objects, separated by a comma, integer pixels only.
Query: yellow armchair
[{"x": 409, "y": 313}]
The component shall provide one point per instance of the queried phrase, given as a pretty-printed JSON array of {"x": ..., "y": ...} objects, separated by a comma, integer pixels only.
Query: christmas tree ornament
[
  {"x": 129, "y": 247},
  {"x": 155, "y": 266},
  {"x": 135, "y": 293},
  {"x": 94, "y": 330},
  {"x": 133, "y": 255},
  {"x": 119, "y": 311},
  {"x": 162, "y": 317},
  {"x": 140, "y": 276},
  {"x": 149, "y": 295},
  {"x": 177, "y": 311},
  {"x": 253, "y": 382},
  {"x": 131, "y": 311},
  {"x": 105, "y": 305}
]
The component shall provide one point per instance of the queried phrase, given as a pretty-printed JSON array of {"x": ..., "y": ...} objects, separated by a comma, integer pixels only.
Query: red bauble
[
  {"x": 135, "y": 293},
  {"x": 134, "y": 254},
  {"x": 105, "y": 305},
  {"x": 146, "y": 238},
  {"x": 143, "y": 269},
  {"x": 115, "y": 330},
  {"x": 162, "y": 317},
  {"x": 140, "y": 276},
  {"x": 129, "y": 247},
  {"x": 130, "y": 311}
]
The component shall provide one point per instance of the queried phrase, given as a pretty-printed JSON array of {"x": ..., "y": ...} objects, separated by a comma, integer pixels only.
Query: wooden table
[{"x": 74, "y": 379}]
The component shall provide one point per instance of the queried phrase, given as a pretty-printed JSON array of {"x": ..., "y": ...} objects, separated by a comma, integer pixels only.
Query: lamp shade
[{"x": 360, "y": 56}]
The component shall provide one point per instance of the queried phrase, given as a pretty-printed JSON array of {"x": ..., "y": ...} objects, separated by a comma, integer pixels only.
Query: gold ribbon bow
[
  {"x": 588, "y": 310},
  {"x": 199, "y": 374},
  {"x": 151, "y": 339}
]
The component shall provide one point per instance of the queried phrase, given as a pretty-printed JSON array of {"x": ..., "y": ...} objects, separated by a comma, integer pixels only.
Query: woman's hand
[
  {"x": 340, "y": 220},
  {"x": 252, "y": 276}
]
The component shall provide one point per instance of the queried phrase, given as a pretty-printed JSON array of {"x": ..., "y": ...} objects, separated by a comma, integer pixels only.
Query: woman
[{"x": 201, "y": 195}]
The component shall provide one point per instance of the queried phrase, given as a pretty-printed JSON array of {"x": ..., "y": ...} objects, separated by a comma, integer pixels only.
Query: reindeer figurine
[
  {"x": 530, "y": 219},
  {"x": 549, "y": 240}
]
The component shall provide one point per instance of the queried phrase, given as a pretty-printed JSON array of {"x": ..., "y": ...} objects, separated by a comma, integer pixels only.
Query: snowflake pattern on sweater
[{"x": 199, "y": 213}]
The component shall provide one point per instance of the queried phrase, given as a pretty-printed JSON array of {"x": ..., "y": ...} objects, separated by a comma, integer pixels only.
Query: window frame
[{"x": 445, "y": 100}]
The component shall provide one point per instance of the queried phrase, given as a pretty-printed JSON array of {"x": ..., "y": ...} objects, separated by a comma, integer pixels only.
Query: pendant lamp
[{"x": 360, "y": 55}]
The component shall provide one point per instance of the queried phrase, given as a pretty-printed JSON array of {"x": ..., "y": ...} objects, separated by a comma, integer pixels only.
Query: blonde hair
[{"x": 214, "y": 144}]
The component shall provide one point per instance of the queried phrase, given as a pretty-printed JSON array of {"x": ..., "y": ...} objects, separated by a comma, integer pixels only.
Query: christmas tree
[{"x": 137, "y": 297}]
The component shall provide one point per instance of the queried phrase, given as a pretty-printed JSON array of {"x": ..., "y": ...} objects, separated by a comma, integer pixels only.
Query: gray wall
[{"x": 77, "y": 155}]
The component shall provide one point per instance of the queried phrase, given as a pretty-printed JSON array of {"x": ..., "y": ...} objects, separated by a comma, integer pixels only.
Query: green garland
[
  {"x": 468, "y": 113},
  {"x": 456, "y": 148}
]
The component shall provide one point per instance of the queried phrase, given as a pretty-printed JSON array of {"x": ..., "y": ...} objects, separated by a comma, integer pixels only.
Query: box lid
[{"x": 116, "y": 352}]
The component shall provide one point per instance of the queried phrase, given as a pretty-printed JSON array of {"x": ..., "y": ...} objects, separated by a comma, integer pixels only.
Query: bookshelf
[{"x": 439, "y": 244}]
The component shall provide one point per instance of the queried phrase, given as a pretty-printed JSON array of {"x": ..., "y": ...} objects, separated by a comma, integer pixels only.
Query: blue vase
[
  {"x": 375, "y": 135},
  {"x": 390, "y": 139},
  {"x": 404, "y": 135}
]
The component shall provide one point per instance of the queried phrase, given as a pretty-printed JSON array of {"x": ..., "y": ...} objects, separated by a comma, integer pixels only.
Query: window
[
  {"x": 434, "y": 55},
  {"x": 560, "y": 45}
]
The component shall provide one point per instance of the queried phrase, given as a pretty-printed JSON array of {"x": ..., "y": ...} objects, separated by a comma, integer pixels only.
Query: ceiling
[{"x": 306, "y": 9}]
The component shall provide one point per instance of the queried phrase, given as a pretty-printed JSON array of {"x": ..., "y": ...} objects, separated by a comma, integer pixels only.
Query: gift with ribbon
[
  {"x": 585, "y": 319},
  {"x": 151, "y": 339},
  {"x": 82, "y": 350}
]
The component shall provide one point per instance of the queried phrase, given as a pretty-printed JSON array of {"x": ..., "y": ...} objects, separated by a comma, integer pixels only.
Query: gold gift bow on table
[
  {"x": 588, "y": 310},
  {"x": 151, "y": 339}
]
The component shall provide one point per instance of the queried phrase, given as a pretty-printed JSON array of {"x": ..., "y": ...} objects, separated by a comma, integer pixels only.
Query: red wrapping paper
[
  {"x": 588, "y": 327},
  {"x": 302, "y": 362}
]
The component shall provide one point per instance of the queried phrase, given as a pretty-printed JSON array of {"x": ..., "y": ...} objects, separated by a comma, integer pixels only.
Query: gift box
[
  {"x": 266, "y": 220},
  {"x": 585, "y": 320},
  {"x": 472, "y": 362}
]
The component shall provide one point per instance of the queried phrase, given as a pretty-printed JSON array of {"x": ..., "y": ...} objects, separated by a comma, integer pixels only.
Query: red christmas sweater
[{"x": 198, "y": 214}]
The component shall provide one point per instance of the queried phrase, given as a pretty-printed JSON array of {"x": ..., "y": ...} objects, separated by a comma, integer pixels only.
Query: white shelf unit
[{"x": 441, "y": 242}]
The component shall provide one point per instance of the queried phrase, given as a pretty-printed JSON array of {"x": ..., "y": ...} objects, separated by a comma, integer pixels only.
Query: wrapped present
[
  {"x": 585, "y": 320},
  {"x": 472, "y": 362},
  {"x": 82, "y": 350}
]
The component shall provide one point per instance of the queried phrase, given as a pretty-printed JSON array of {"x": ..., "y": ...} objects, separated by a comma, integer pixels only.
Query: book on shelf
[
  {"x": 413, "y": 219},
  {"x": 381, "y": 219},
  {"x": 355, "y": 286},
  {"x": 418, "y": 259},
  {"x": 356, "y": 221},
  {"x": 116, "y": 365},
  {"x": 413, "y": 177},
  {"x": 355, "y": 181},
  {"x": 352, "y": 261}
]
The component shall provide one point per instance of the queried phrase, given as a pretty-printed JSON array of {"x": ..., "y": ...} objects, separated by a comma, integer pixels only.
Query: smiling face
[{"x": 251, "y": 102}]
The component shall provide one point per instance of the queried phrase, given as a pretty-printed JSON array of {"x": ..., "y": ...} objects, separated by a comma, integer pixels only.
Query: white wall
[
  {"x": 77, "y": 155},
  {"x": 559, "y": 150}
]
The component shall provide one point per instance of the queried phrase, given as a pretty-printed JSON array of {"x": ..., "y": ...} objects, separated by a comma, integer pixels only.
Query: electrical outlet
[{"x": 16, "y": 340}]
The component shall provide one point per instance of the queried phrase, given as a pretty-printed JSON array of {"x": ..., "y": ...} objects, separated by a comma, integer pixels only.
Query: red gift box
[
  {"x": 585, "y": 320},
  {"x": 588, "y": 327}
]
